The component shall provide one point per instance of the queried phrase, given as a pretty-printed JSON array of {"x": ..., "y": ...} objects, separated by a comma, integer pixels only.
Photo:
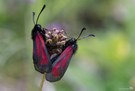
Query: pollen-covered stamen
[
  {"x": 49, "y": 41},
  {"x": 63, "y": 38},
  {"x": 61, "y": 43},
  {"x": 55, "y": 38}
]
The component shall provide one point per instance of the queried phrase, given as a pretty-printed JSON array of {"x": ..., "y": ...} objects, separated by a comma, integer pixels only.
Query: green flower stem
[{"x": 42, "y": 82}]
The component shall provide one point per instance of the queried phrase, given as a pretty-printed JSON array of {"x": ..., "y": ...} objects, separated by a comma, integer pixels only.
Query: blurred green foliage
[{"x": 103, "y": 63}]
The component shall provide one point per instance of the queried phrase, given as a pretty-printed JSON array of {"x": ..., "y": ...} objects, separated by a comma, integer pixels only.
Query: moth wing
[
  {"x": 41, "y": 57},
  {"x": 60, "y": 65}
]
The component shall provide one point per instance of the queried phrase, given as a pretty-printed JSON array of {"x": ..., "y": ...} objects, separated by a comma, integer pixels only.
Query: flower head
[{"x": 55, "y": 40}]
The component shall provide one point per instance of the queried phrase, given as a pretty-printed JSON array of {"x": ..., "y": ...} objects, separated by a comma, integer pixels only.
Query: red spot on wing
[
  {"x": 60, "y": 65},
  {"x": 41, "y": 57},
  {"x": 38, "y": 48},
  {"x": 63, "y": 61},
  {"x": 41, "y": 50}
]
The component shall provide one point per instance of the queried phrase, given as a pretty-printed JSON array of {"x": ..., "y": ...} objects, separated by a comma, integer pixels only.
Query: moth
[
  {"x": 54, "y": 66},
  {"x": 61, "y": 62},
  {"x": 41, "y": 58}
]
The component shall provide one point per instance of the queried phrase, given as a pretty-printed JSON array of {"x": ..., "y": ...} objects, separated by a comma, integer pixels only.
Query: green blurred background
[{"x": 103, "y": 63}]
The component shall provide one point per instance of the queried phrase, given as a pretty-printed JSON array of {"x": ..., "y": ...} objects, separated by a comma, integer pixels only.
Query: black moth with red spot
[
  {"x": 56, "y": 66},
  {"x": 41, "y": 57}
]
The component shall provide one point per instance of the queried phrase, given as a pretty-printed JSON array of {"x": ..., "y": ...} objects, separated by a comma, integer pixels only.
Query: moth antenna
[
  {"x": 81, "y": 33},
  {"x": 33, "y": 13},
  {"x": 40, "y": 12},
  {"x": 87, "y": 36}
]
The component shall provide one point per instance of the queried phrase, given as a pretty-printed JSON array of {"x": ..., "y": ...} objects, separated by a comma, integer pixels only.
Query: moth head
[
  {"x": 72, "y": 41},
  {"x": 37, "y": 27}
]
